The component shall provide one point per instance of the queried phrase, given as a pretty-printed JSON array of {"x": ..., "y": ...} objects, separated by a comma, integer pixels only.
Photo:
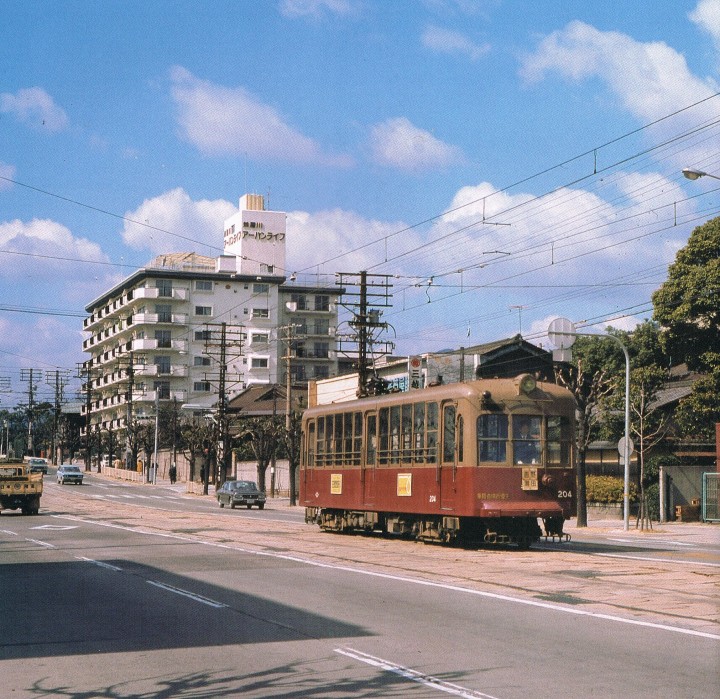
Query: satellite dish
[{"x": 561, "y": 333}]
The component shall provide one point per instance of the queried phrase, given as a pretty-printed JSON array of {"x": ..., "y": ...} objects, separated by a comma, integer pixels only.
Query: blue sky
[{"x": 506, "y": 162}]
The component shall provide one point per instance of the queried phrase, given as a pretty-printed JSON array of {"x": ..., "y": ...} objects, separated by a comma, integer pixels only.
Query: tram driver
[{"x": 526, "y": 442}]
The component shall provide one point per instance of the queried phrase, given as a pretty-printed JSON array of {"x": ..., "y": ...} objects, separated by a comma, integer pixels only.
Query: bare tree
[{"x": 263, "y": 435}]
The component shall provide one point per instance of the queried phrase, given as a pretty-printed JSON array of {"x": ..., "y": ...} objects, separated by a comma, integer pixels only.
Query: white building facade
[{"x": 156, "y": 336}]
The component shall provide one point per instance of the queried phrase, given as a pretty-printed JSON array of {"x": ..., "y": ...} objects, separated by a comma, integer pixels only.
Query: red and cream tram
[{"x": 475, "y": 462}]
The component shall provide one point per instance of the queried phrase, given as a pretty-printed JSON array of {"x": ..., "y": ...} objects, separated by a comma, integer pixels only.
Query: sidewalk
[{"x": 697, "y": 532}]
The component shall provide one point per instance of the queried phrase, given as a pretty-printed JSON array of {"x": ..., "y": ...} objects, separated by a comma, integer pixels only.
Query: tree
[
  {"x": 687, "y": 305},
  {"x": 262, "y": 434},
  {"x": 291, "y": 438},
  {"x": 697, "y": 414},
  {"x": 196, "y": 439},
  {"x": 589, "y": 378}
]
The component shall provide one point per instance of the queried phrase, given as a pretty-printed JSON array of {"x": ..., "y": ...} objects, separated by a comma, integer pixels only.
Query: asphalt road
[{"x": 135, "y": 591}]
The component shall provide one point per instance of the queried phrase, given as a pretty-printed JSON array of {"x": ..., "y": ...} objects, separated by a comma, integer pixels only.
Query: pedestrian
[{"x": 173, "y": 473}]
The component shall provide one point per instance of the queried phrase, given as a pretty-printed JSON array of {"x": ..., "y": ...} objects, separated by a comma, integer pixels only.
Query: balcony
[{"x": 156, "y": 318}]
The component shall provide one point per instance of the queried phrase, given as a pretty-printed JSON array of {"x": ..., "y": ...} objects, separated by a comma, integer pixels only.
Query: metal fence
[{"x": 711, "y": 497}]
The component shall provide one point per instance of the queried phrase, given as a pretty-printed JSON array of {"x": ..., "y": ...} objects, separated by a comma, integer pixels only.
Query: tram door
[
  {"x": 369, "y": 459},
  {"x": 448, "y": 456}
]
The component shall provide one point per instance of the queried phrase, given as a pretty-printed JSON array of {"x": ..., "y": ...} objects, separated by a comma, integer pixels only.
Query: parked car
[
  {"x": 38, "y": 466},
  {"x": 68, "y": 473},
  {"x": 236, "y": 493}
]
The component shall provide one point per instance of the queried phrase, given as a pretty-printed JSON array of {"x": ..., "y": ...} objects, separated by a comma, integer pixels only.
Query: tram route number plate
[{"x": 529, "y": 478}]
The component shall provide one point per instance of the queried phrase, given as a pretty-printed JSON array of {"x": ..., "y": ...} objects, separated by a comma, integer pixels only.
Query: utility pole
[
  {"x": 27, "y": 375},
  {"x": 84, "y": 373},
  {"x": 59, "y": 381},
  {"x": 129, "y": 460},
  {"x": 373, "y": 290},
  {"x": 223, "y": 343}
]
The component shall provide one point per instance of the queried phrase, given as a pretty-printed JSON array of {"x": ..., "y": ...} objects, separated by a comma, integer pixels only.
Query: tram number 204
[{"x": 564, "y": 494}]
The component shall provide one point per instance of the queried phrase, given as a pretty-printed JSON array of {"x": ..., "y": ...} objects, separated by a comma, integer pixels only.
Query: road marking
[
  {"x": 185, "y": 593},
  {"x": 656, "y": 560},
  {"x": 654, "y": 540},
  {"x": 414, "y": 581},
  {"x": 54, "y": 527},
  {"x": 41, "y": 543},
  {"x": 7, "y": 531},
  {"x": 413, "y": 675},
  {"x": 102, "y": 564}
]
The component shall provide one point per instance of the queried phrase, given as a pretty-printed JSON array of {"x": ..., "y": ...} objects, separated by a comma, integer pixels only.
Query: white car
[{"x": 68, "y": 473}]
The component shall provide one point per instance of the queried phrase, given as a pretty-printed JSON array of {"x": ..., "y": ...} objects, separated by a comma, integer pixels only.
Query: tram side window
[
  {"x": 448, "y": 434},
  {"x": 310, "y": 459},
  {"x": 526, "y": 439},
  {"x": 432, "y": 430},
  {"x": 419, "y": 432},
  {"x": 371, "y": 440},
  {"x": 558, "y": 441},
  {"x": 357, "y": 438},
  {"x": 406, "y": 423},
  {"x": 347, "y": 438},
  {"x": 384, "y": 435},
  {"x": 321, "y": 441},
  {"x": 395, "y": 434},
  {"x": 492, "y": 434}
]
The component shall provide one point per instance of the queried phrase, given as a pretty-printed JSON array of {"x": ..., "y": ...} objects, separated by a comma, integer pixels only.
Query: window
[
  {"x": 558, "y": 441},
  {"x": 259, "y": 338},
  {"x": 163, "y": 339},
  {"x": 203, "y": 310},
  {"x": 300, "y": 300},
  {"x": 203, "y": 285},
  {"x": 322, "y": 326},
  {"x": 164, "y": 287},
  {"x": 259, "y": 363},
  {"x": 162, "y": 362},
  {"x": 201, "y": 361},
  {"x": 371, "y": 443},
  {"x": 259, "y": 312},
  {"x": 526, "y": 439},
  {"x": 162, "y": 388},
  {"x": 202, "y": 335},
  {"x": 322, "y": 302},
  {"x": 201, "y": 386},
  {"x": 321, "y": 372},
  {"x": 448, "y": 434},
  {"x": 492, "y": 434},
  {"x": 164, "y": 312},
  {"x": 261, "y": 288},
  {"x": 321, "y": 350}
]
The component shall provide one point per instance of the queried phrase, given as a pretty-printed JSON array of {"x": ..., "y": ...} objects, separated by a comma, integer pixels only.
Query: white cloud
[
  {"x": 231, "y": 121},
  {"x": 315, "y": 9},
  {"x": 174, "y": 222},
  {"x": 451, "y": 42},
  {"x": 398, "y": 143},
  {"x": 651, "y": 79},
  {"x": 313, "y": 238},
  {"x": 39, "y": 246},
  {"x": 707, "y": 16},
  {"x": 34, "y": 106}
]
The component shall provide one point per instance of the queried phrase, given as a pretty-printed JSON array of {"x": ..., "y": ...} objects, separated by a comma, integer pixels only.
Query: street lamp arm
[{"x": 693, "y": 174}]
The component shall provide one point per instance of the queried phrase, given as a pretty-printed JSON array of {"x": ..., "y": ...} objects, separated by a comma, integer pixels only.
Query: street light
[{"x": 693, "y": 174}]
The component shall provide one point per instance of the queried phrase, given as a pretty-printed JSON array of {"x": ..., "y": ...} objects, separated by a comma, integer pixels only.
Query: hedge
[{"x": 608, "y": 489}]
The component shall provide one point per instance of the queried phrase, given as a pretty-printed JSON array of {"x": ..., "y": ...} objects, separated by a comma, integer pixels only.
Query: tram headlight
[{"x": 526, "y": 383}]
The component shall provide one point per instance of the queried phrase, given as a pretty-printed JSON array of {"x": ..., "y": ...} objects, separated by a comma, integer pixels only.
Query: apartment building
[{"x": 157, "y": 335}]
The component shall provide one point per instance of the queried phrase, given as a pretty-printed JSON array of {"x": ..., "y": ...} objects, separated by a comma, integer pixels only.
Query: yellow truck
[{"x": 19, "y": 488}]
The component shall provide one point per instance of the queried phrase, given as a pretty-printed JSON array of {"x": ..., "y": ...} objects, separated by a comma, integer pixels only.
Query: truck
[{"x": 20, "y": 489}]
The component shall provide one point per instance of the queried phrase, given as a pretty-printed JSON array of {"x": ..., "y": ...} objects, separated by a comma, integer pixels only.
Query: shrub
[{"x": 607, "y": 489}]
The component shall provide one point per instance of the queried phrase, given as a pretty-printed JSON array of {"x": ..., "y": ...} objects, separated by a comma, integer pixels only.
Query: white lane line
[
  {"x": 7, "y": 531},
  {"x": 101, "y": 564},
  {"x": 41, "y": 543},
  {"x": 657, "y": 560},
  {"x": 190, "y": 595},
  {"x": 400, "y": 578},
  {"x": 654, "y": 540},
  {"x": 413, "y": 675}
]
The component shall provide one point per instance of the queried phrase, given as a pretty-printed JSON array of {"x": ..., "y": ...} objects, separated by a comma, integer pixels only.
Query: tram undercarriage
[{"x": 462, "y": 531}]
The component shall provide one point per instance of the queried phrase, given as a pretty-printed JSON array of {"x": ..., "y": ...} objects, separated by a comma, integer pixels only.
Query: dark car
[
  {"x": 68, "y": 473},
  {"x": 38, "y": 466},
  {"x": 236, "y": 493}
]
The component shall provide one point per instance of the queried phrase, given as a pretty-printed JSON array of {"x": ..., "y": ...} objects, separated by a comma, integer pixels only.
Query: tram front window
[{"x": 526, "y": 439}]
